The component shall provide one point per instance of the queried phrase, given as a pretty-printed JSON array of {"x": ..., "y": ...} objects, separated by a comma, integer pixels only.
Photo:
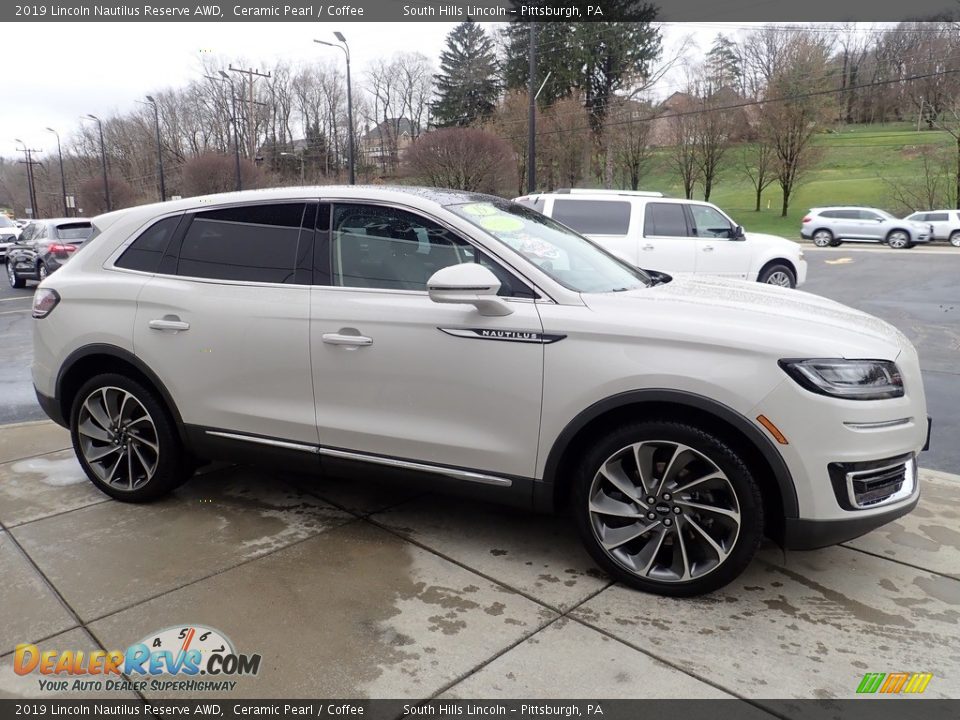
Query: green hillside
[{"x": 853, "y": 162}]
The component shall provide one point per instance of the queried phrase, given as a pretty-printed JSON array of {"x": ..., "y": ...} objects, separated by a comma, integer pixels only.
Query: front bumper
[{"x": 803, "y": 534}]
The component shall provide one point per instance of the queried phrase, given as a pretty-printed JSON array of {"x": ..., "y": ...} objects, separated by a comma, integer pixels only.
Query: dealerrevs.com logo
[
  {"x": 188, "y": 658},
  {"x": 894, "y": 683}
]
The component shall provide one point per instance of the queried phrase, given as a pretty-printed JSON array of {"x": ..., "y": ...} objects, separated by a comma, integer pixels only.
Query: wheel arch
[
  {"x": 892, "y": 230},
  {"x": 91, "y": 360},
  {"x": 777, "y": 261},
  {"x": 770, "y": 470}
]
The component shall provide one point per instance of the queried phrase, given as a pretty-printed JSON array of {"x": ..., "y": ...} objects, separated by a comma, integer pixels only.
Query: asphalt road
[{"x": 916, "y": 290}]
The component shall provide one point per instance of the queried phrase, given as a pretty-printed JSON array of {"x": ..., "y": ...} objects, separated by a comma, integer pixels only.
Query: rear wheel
[
  {"x": 955, "y": 239},
  {"x": 125, "y": 440},
  {"x": 822, "y": 238},
  {"x": 15, "y": 282},
  {"x": 898, "y": 239},
  {"x": 779, "y": 275},
  {"x": 667, "y": 508},
  {"x": 42, "y": 271}
]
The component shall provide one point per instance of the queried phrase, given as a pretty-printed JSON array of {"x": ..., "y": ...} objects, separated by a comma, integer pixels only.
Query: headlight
[{"x": 848, "y": 379}]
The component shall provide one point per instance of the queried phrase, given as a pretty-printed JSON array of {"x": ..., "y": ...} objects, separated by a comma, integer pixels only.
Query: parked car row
[
  {"x": 673, "y": 236},
  {"x": 831, "y": 226},
  {"x": 44, "y": 246}
]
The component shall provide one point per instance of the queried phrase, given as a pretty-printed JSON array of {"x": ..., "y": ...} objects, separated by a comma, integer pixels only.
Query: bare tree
[
  {"x": 929, "y": 189},
  {"x": 758, "y": 161},
  {"x": 461, "y": 158},
  {"x": 509, "y": 123},
  {"x": 213, "y": 172},
  {"x": 628, "y": 134},
  {"x": 682, "y": 153},
  {"x": 712, "y": 128}
]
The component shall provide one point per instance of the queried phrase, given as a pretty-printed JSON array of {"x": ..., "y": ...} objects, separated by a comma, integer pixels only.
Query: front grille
[{"x": 874, "y": 486}]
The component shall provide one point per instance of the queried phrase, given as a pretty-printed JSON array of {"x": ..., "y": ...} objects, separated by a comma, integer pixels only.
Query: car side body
[
  {"x": 45, "y": 246},
  {"x": 944, "y": 224},
  {"x": 831, "y": 226}
]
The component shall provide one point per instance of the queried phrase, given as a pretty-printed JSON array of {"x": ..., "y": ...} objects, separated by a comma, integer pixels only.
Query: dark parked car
[{"x": 44, "y": 246}]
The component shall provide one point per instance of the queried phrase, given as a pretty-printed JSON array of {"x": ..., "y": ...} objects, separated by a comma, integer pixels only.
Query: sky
[{"x": 64, "y": 71}]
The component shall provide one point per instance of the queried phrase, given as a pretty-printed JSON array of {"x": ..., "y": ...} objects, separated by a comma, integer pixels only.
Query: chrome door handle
[
  {"x": 708, "y": 248},
  {"x": 174, "y": 324},
  {"x": 350, "y": 340},
  {"x": 647, "y": 247}
]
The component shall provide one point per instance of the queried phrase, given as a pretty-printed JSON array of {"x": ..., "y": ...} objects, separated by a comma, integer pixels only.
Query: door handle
[
  {"x": 348, "y": 340},
  {"x": 708, "y": 248},
  {"x": 169, "y": 323},
  {"x": 648, "y": 246}
]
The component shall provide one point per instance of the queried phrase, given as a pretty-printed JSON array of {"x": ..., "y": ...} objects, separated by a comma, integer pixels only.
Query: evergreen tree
[
  {"x": 595, "y": 58},
  {"x": 723, "y": 64},
  {"x": 467, "y": 84}
]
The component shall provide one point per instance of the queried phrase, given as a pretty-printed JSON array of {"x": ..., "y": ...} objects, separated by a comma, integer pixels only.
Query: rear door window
[
  {"x": 145, "y": 252},
  {"x": 593, "y": 217},
  {"x": 254, "y": 243},
  {"x": 936, "y": 217},
  {"x": 665, "y": 220}
]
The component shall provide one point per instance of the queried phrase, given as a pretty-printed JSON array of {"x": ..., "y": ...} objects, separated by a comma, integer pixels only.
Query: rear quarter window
[
  {"x": 593, "y": 217},
  {"x": 145, "y": 252}
]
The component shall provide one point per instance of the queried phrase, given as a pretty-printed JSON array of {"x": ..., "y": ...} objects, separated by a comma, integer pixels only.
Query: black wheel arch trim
[
  {"x": 681, "y": 398},
  {"x": 127, "y": 357}
]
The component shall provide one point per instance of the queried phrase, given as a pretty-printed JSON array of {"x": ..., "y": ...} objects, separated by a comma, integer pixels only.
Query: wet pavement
[{"x": 355, "y": 589}]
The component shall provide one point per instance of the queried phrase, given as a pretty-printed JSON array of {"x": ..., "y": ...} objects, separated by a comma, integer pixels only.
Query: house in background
[{"x": 384, "y": 143}]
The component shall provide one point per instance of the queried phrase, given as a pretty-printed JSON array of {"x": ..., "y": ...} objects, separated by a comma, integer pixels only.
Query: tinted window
[
  {"x": 665, "y": 219},
  {"x": 830, "y": 214},
  {"x": 382, "y": 247},
  {"x": 936, "y": 217},
  {"x": 708, "y": 222},
  {"x": 536, "y": 203},
  {"x": 74, "y": 231},
  {"x": 867, "y": 215},
  {"x": 593, "y": 217},
  {"x": 27, "y": 232},
  {"x": 145, "y": 252},
  {"x": 256, "y": 243}
]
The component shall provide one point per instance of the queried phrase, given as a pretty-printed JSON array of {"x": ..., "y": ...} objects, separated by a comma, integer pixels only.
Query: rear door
[
  {"x": 606, "y": 222},
  {"x": 940, "y": 222},
  {"x": 225, "y": 321},
  {"x": 668, "y": 244}
]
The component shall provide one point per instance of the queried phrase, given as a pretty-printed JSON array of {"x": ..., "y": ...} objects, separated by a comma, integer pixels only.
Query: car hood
[{"x": 752, "y": 315}]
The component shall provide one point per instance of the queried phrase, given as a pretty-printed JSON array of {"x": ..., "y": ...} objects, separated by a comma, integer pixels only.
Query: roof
[{"x": 400, "y": 126}]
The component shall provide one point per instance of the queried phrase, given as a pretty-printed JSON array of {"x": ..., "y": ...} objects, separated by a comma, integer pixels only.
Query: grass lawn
[{"x": 854, "y": 160}]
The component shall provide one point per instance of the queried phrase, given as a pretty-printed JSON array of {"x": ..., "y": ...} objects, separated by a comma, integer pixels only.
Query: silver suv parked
[
  {"x": 831, "y": 225},
  {"x": 475, "y": 344}
]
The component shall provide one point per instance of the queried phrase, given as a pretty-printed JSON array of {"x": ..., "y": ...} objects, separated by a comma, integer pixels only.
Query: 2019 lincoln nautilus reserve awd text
[{"x": 480, "y": 345}]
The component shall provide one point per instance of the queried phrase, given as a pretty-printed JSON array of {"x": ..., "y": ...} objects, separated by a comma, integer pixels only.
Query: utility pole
[
  {"x": 251, "y": 74},
  {"x": 532, "y": 119},
  {"x": 63, "y": 179},
  {"x": 31, "y": 185},
  {"x": 156, "y": 124},
  {"x": 350, "y": 150}
]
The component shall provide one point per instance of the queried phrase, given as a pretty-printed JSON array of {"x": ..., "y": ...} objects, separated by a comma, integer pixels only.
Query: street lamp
[
  {"x": 103, "y": 161},
  {"x": 296, "y": 155},
  {"x": 63, "y": 179},
  {"x": 346, "y": 51},
  {"x": 224, "y": 77},
  {"x": 156, "y": 123}
]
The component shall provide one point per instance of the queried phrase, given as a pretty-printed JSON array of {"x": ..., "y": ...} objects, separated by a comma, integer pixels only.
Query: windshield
[
  {"x": 6, "y": 222},
  {"x": 570, "y": 259}
]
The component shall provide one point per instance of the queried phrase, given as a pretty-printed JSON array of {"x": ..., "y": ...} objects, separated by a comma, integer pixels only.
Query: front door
[
  {"x": 400, "y": 376},
  {"x": 717, "y": 252}
]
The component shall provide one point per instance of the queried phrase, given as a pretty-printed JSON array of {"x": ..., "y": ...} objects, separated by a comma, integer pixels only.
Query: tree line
[{"x": 750, "y": 108}]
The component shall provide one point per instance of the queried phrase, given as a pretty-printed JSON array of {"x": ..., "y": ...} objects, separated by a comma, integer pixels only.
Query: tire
[
  {"x": 822, "y": 238},
  {"x": 673, "y": 556},
  {"x": 898, "y": 239},
  {"x": 15, "y": 282},
  {"x": 42, "y": 271},
  {"x": 779, "y": 275},
  {"x": 836, "y": 243},
  {"x": 117, "y": 425},
  {"x": 955, "y": 239}
]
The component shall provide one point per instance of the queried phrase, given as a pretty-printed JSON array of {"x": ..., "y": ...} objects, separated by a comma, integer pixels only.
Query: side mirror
[
  {"x": 468, "y": 284},
  {"x": 738, "y": 233}
]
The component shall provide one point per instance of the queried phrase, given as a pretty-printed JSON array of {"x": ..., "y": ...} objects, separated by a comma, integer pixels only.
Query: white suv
[
  {"x": 944, "y": 224},
  {"x": 673, "y": 236},
  {"x": 472, "y": 343}
]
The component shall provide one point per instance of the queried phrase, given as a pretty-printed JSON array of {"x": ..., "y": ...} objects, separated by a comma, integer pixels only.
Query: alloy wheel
[
  {"x": 955, "y": 239},
  {"x": 42, "y": 271},
  {"x": 898, "y": 240},
  {"x": 11, "y": 273},
  {"x": 822, "y": 238},
  {"x": 779, "y": 278},
  {"x": 118, "y": 438},
  {"x": 664, "y": 511}
]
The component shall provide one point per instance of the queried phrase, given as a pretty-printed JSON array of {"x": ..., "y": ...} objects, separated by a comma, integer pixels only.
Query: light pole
[
  {"x": 236, "y": 128},
  {"x": 63, "y": 179},
  {"x": 296, "y": 155},
  {"x": 156, "y": 124},
  {"x": 103, "y": 162},
  {"x": 346, "y": 51}
]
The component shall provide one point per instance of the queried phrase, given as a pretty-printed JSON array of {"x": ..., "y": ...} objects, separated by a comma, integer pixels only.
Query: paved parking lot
[{"x": 366, "y": 590}]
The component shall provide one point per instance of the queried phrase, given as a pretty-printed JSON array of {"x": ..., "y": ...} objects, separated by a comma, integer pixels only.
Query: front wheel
[
  {"x": 667, "y": 508},
  {"x": 822, "y": 238},
  {"x": 779, "y": 275},
  {"x": 955, "y": 239},
  {"x": 898, "y": 240},
  {"x": 15, "y": 282},
  {"x": 125, "y": 440},
  {"x": 42, "y": 271}
]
